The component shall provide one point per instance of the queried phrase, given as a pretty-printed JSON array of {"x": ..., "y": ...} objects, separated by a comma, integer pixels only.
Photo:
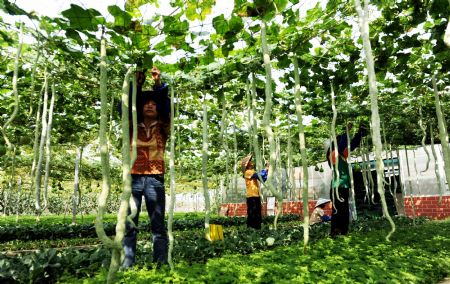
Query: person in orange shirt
[{"x": 254, "y": 218}]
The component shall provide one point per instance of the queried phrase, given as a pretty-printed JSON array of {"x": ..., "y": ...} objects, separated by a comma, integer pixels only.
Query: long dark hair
[{"x": 163, "y": 120}]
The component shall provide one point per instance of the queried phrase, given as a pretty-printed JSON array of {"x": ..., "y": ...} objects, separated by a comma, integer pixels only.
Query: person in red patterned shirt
[{"x": 147, "y": 172}]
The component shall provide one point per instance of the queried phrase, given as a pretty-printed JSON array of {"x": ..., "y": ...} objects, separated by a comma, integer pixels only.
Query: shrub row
[{"x": 62, "y": 231}]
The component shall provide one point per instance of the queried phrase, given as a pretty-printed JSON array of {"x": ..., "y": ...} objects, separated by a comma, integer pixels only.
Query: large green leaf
[
  {"x": 130, "y": 5},
  {"x": 191, "y": 12},
  {"x": 220, "y": 24},
  {"x": 209, "y": 55},
  {"x": 198, "y": 9},
  {"x": 13, "y": 9},
  {"x": 173, "y": 26},
  {"x": 280, "y": 4},
  {"x": 73, "y": 34},
  {"x": 6, "y": 37},
  {"x": 147, "y": 60},
  {"x": 81, "y": 19},
  {"x": 121, "y": 17},
  {"x": 140, "y": 41},
  {"x": 235, "y": 24},
  {"x": 118, "y": 40},
  {"x": 149, "y": 30}
]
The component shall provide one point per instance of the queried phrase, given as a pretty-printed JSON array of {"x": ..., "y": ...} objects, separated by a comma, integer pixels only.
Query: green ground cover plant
[
  {"x": 418, "y": 253},
  {"x": 50, "y": 220},
  {"x": 17, "y": 246},
  {"x": 60, "y": 230}
]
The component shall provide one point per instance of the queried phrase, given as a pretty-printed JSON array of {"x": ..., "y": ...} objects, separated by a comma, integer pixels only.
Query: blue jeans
[{"x": 152, "y": 188}]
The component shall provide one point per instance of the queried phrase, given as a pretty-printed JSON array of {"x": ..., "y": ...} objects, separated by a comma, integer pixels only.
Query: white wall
[
  {"x": 421, "y": 183},
  {"x": 418, "y": 182}
]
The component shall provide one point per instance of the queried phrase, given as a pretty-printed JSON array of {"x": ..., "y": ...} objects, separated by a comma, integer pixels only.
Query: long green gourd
[
  {"x": 350, "y": 172},
  {"x": 172, "y": 176},
  {"x": 301, "y": 138},
  {"x": 11, "y": 147},
  {"x": 415, "y": 170},
  {"x": 335, "y": 168},
  {"x": 36, "y": 140},
  {"x": 255, "y": 141},
  {"x": 364, "y": 170},
  {"x": 392, "y": 171},
  {"x": 9, "y": 189},
  {"x": 48, "y": 145},
  {"x": 410, "y": 186},
  {"x": 400, "y": 169},
  {"x": 104, "y": 152},
  {"x": 443, "y": 135},
  {"x": 117, "y": 251},
  {"x": 436, "y": 165},
  {"x": 38, "y": 114},
  {"x": 290, "y": 179},
  {"x": 111, "y": 114},
  {"x": 133, "y": 207},
  {"x": 15, "y": 92},
  {"x": 134, "y": 122},
  {"x": 249, "y": 116},
  {"x": 235, "y": 167},
  {"x": 385, "y": 147},
  {"x": 224, "y": 139},
  {"x": 447, "y": 31},
  {"x": 369, "y": 173},
  {"x": 423, "y": 127},
  {"x": 33, "y": 81},
  {"x": 373, "y": 91},
  {"x": 38, "y": 175},
  {"x": 19, "y": 191},
  {"x": 205, "y": 165},
  {"x": 253, "y": 129},
  {"x": 76, "y": 190},
  {"x": 266, "y": 123},
  {"x": 390, "y": 164},
  {"x": 278, "y": 173}
]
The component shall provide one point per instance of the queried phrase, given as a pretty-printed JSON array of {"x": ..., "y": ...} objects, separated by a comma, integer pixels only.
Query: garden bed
[{"x": 419, "y": 253}]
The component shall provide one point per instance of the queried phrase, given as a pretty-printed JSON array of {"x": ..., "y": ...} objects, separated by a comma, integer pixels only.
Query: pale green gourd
[
  {"x": 172, "y": 177},
  {"x": 301, "y": 138},
  {"x": 375, "y": 118},
  {"x": 266, "y": 124}
]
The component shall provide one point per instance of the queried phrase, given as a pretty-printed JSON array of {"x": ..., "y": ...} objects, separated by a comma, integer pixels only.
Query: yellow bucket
[{"x": 215, "y": 233}]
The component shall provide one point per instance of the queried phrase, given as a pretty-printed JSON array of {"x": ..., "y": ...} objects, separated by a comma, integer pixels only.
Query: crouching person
[{"x": 318, "y": 215}]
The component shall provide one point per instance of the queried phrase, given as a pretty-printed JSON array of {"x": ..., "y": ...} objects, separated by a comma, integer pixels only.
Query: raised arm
[{"x": 161, "y": 91}]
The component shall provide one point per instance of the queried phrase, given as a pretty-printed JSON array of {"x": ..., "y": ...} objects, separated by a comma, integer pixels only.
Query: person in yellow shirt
[{"x": 254, "y": 218}]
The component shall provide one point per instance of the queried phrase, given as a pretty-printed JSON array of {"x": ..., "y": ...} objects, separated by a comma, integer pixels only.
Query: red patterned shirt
[{"x": 151, "y": 145}]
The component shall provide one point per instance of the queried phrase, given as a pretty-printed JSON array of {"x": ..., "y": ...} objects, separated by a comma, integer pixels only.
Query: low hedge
[{"x": 60, "y": 231}]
